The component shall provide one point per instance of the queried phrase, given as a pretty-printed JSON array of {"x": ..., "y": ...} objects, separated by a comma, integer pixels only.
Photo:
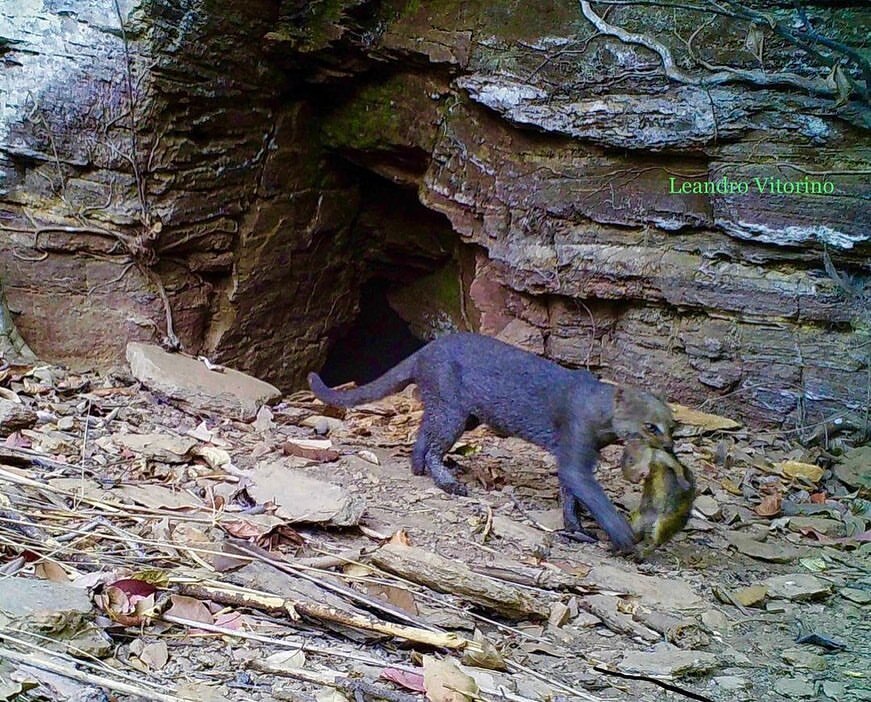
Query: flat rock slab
[
  {"x": 655, "y": 592},
  {"x": 301, "y": 498},
  {"x": 798, "y": 587},
  {"x": 667, "y": 661},
  {"x": 15, "y": 416},
  {"x": 60, "y": 613},
  {"x": 774, "y": 552},
  {"x": 189, "y": 383},
  {"x": 795, "y": 688},
  {"x": 21, "y": 597},
  {"x": 159, "y": 447}
]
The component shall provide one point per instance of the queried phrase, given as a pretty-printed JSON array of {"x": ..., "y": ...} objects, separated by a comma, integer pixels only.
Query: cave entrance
[
  {"x": 410, "y": 264},
  {"x": 374, "y": 342}
]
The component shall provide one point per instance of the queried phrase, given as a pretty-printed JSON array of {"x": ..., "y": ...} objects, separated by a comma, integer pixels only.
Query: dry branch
[
  {"x": 239, "y": 597},
  {"x": 67, "y": 669},
  {"x": 453, "y": 577},
  {"x": 542, "y": 578}
]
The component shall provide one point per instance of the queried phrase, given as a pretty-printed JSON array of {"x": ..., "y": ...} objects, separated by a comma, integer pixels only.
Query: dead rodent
[
  {"x": 666, "y": 498},
  {"x": 467, "y": 378}
]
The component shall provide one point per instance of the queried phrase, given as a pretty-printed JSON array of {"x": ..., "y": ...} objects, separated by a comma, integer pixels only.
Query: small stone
[
  {"x": 263, "y": 421},
  {"x": 732, "y": 683},
  {"x": 654, "y": 592},
  {"x": 66, "y": 423},
  {"x": 798, "y": 587},
  {"x": 834, "y": 690},
  {"x": 856, "y": 595},
  {"x": 15, "y": 416},
  {"x": 45, "y": 417},
  {"x": 802, "y": 658},
  {"x": 750, "y": 596},
  {"x": 772, "y": 552},
  {"x": 667, "y": 660},
  {"x": 688, "y": 634},
  {"x": 716, "y": 621},
  {"x": 301, "y": 498},
  {"x": 708, "y": 506},
  {"x": 559, "y": 614},
  {"x": 829, "y": 527},
  {"x": 159, "y": 447},
  {"x": 794, "y": 687},
  {"x": 585, "y": 620},
  {"x": 321, "y": 424}
]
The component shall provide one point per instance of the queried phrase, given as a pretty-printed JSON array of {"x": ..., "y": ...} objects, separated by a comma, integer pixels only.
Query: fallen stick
[
  {"x": 68, "y": 671},
  {"x": 443, "y": 575},
  {"x": 238, "y": 597}
]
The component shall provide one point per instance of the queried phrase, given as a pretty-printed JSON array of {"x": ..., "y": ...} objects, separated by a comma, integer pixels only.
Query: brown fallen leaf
[
  {"x": 16, "y": 440},
  {"x": 154, "y": 655},
  {"x": 185, "y": 607},
  {"x": 770, "y": 505},
  {"x": 312, "y": 453},
  {"x": 445, "y": 682},
  {"x": 251, "y": 526},
  {"x": 400, "y": 537},
  {"x": 410, "y": 681},
  {"x": 731, "y": 487},
  {"x": 397, "y": 596},
  {"x": 484, "y": 655},
  {"x": 49, "y": 570},
  {"x": 230, "y": 620},
  {"x": 126, "y": 609}
]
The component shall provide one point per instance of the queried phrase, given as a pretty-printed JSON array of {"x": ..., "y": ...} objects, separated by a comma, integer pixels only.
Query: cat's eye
[{"x": 653, "y": 429}]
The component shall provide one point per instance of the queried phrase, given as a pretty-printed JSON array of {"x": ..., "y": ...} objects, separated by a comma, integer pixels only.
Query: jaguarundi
[{"x": 567, "y": 412}]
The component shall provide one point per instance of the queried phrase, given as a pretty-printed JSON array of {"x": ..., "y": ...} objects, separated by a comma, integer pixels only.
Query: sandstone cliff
[{"x": 242, "y": 168}]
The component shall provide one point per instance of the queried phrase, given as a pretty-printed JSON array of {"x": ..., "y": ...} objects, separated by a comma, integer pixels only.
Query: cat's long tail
[{"x": 392, "y": 381}]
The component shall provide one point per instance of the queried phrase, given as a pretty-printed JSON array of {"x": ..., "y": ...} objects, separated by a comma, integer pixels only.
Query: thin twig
[
  {"x": 664, "y": 684},
  {"x": 67, "y": 670}
]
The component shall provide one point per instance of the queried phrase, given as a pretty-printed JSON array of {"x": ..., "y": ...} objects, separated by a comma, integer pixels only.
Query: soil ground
[{"x": 700, "y": 618}]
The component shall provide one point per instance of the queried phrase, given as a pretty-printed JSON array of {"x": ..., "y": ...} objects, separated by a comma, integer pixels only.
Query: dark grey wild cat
[{"x": 568, "y": 412}]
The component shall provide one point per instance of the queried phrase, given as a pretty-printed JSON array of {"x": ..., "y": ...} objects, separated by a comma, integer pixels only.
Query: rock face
[{"x": 219, "y": 162}]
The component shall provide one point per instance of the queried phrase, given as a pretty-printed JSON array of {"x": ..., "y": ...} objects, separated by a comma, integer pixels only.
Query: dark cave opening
[
  {"x": 373, "y": 343},
  {"x": 409, "y": 262}
]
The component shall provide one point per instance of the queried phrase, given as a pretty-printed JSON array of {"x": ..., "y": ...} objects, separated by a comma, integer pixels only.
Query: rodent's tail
[{"x": 392, "y": 381}]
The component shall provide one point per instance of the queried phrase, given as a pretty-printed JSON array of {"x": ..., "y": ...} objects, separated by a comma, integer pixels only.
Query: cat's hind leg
[{"x": 439, "y": 431}]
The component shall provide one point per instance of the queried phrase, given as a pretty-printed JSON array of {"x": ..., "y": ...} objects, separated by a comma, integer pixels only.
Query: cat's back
[{"x": 480, "y": 355}]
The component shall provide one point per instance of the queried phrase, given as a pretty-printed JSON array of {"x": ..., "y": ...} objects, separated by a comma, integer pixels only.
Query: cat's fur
[{"x": 568, "y": 412}]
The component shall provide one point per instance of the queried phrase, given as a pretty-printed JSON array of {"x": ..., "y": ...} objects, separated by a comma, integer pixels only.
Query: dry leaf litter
[{"x": 163, "y": 542}]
